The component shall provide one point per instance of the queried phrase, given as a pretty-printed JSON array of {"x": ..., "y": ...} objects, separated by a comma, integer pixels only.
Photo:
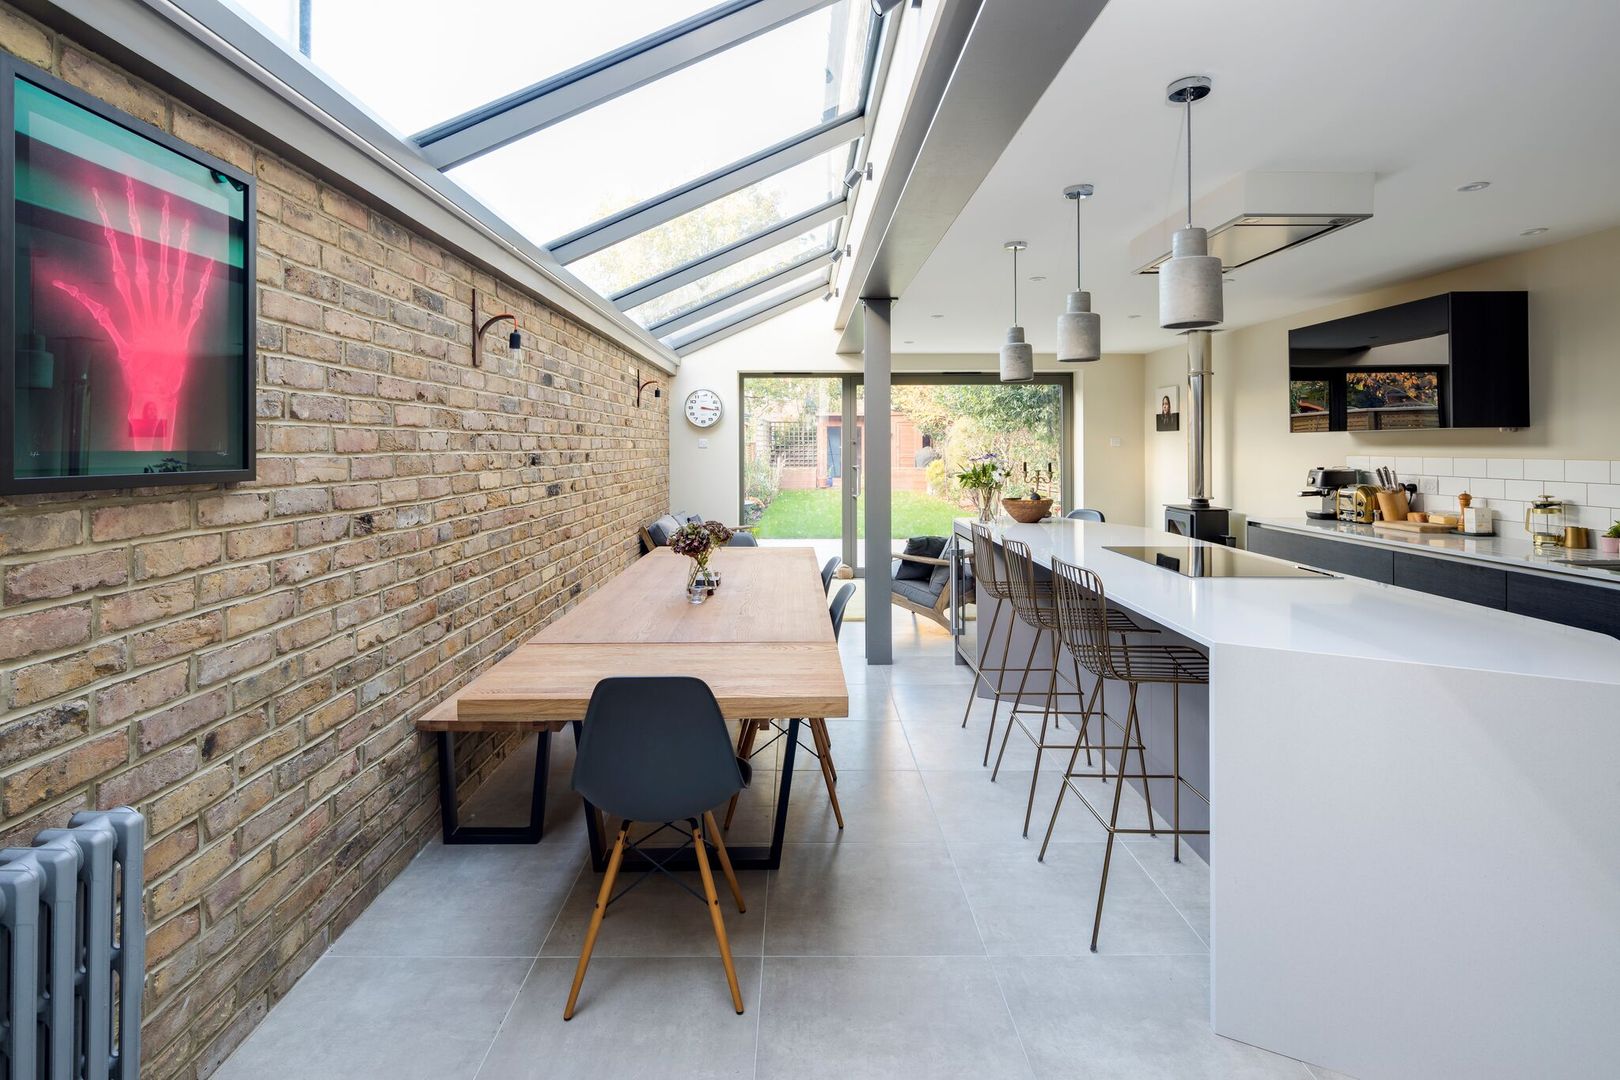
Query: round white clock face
[{"x": 703, "y": 408}]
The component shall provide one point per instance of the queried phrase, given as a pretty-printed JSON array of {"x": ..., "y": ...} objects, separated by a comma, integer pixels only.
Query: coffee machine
[{"x": 1324, "y": 484}]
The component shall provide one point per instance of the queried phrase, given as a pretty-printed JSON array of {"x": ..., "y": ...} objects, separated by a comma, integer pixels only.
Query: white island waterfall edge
[{"x": 1415, "y": 863}]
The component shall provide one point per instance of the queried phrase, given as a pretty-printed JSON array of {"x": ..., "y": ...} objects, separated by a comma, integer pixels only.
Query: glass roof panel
[
  {"x": 715, "y": 225},
  {"x": 675, "y": 129},
  {"x": 738, "y": 275},
  {"x": 459, "y": 56},
  {"x": 723, "y": 317}
]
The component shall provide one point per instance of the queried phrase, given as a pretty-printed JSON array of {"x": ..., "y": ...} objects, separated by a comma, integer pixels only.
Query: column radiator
[{"x": 73, "y": 951}]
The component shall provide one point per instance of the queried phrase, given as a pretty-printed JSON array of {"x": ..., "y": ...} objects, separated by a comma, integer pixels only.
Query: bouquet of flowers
[
  {"x": 983, "y": 478},
  {"x": 696, "y": 542},
  {"x": 719, "y": 534}
]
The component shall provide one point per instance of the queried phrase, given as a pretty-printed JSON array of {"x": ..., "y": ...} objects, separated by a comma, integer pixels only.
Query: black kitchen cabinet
[
  {"x": 1590, "y": 607},
  {"x": 1483, "y": 585},
  {"x": 1335, "y": 556}
]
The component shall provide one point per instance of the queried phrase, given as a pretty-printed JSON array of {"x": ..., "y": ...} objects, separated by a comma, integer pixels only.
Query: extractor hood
[{"x": 1261, "y": 213}]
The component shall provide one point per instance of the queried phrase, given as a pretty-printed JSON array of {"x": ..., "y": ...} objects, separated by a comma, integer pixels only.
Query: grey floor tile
[
  {"x": 405, "y": 1018},
  {"x": 469, "y": 900},
  {"x": 1030, "y": 908},
  {"x": 940, "y": 746},
  {"x": 652, "y": 1019},
  {"x": 1186, "y": 883},
  {"x": 857, "y": 1018},
  {"x": 891, "y": 807},
  {"x": 659, "y": 918},
  {"x": 856, "y": 899},
  {"x": 1127, "y": 1018},
  {"x": 970, "y": 808}
]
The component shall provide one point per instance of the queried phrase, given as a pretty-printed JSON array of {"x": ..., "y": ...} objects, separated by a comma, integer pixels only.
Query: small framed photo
[{"x": 1167, "y": 408}]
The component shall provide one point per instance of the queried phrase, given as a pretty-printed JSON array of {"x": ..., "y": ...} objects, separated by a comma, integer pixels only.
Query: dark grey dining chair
[
  {"x": 743, "y": 539},
  {"x": 828, "y": 569},
  {"x": 1084, "y": 514},
  {"x": 836, "y": 609},
  {"x": 656, "y": 750}
]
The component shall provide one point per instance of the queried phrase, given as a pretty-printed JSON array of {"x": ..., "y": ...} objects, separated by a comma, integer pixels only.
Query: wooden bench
[{"x": 443, "y": 720}]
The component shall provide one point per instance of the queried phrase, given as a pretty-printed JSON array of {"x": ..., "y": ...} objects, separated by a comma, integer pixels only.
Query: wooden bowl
[{"x": 1027, "y": 511}]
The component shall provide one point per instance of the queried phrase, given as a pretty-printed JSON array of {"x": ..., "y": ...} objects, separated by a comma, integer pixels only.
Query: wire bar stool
[
  {"x": 1034, "y": 605},
  {"x": 1083, "y": 626}
]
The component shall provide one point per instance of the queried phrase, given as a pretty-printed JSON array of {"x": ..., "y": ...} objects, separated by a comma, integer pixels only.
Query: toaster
[{"x": 1358, "y": 503}]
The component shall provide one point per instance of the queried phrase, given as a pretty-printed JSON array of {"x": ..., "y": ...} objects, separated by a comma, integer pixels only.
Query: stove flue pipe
[{"x": 1198, "y": 387}]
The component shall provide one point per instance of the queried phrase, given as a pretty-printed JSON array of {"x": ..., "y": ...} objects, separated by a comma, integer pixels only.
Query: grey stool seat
[
  {"x": 1084, "y": 514},
  {"x": 656, "y": 750}
]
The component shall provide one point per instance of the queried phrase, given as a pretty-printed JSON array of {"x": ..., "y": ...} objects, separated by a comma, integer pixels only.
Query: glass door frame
[{"x": 853, "y": 463}]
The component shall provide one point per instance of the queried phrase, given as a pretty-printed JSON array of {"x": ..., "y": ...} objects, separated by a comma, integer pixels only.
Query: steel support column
[{"x": 875, "y": 471}]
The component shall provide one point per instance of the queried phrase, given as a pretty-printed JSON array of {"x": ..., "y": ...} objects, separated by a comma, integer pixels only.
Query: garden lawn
[{"x": 814, "y": 515}]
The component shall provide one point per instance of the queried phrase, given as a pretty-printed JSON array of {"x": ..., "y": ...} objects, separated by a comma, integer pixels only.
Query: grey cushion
[
  {"x": 941, "y": 576},
  {"x": 918, "y": 592},
  {"x": 662, "y": 529},
  {"x": 689, "y": 518},
  {"x": 931, "y": 546}
]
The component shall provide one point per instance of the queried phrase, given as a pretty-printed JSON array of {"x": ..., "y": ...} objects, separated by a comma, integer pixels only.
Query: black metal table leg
[{"x": 449, "y": 816}]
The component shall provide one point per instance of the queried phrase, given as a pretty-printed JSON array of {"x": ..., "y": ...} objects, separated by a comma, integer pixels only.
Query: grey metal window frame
[
  {"x": 541, "y": 104},
  {"x": 849, "y": 452},
  {"x": 751, "y": 315},
  {"x": 744, "y": 292}
]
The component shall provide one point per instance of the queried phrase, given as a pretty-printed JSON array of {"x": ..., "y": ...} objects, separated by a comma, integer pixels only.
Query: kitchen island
[{"x": 1413, "y": 852}]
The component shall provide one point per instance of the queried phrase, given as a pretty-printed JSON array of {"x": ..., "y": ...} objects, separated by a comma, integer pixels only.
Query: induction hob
[{"x": 1212, "y": 561}]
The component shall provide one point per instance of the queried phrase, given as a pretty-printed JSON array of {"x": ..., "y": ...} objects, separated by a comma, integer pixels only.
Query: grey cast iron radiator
[{"x": 73, "y": 951}]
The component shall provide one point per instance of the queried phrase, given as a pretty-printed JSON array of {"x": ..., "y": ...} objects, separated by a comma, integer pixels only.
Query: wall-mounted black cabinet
[{"x": 1459, "y": 359}]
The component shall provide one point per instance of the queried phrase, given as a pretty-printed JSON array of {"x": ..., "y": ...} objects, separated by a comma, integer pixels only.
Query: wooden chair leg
[
  {"x": 715, "y": 917},
  {"x": 745, "y": 748},
  {"x": 725, "y": 859},
  {"x": 818, "y": 728},
  {"x": 602, "y": 898}
]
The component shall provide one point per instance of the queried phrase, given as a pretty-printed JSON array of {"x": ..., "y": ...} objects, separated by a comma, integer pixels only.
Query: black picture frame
[{"x": 12, "y": 70}]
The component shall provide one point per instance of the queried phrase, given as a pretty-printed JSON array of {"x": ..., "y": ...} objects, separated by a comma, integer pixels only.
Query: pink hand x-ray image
[{"x": 152, "y": 330}]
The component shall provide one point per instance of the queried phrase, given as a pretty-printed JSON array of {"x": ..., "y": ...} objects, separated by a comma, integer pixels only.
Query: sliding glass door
[{"x": 803, "y": 454}]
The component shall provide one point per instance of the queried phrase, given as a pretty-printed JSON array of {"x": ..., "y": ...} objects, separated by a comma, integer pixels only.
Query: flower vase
[
  {"x": 987, "y": 500},
  {"x": 698, "y": 587}
]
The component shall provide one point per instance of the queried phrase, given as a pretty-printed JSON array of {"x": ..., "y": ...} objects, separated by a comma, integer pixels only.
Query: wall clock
[{"x": 703, "y": 408}]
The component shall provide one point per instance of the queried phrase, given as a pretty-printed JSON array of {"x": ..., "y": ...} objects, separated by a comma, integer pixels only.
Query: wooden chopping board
[{"x": 1414, "y": 526}]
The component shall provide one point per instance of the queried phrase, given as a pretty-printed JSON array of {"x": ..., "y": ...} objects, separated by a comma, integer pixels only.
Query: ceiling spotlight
[
  {"x": 1133, "y": 316},
  {"x": 908, "y": 341},
  {"x": 936, "y": 316},
  {"x": 1537, "y": 231},
  {"x": 1037, "y": 277},
  {"x": 1475, "y": 185}
]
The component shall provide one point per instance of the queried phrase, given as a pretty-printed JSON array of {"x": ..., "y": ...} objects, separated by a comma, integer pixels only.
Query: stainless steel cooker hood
[{"x": 1261, "y": 213}]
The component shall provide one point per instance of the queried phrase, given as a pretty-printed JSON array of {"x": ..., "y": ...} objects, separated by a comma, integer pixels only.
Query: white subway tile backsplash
[
  {"x": 1470, "y": 466},
  {"x": 1378, "y": 462},
  {"x": 1438, "y": 466},
  {"x": 1603, "y": 494},
  {"x": 1596, "y": 518},
  {"x": 1505, "y": 468},
  {"x": 1362, "y": 461},
  {"x": 1614, "y": 472},
  {"x": 1563, "y": 489},
  {"x": 1426, "y": 485},
  {"x": 1587, "y": 472},
  {"x": 1452, "y": 485},
  {"x": 1487, "y": 488},
  {"x": 1405, "y": 465},
  {"x": 1525, "y": 490},
  {"x": 1543, "y": 469}
]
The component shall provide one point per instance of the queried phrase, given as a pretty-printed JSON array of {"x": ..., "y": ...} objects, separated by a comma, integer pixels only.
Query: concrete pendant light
[
  {"x": 1190, "y": 282},
  {"x": 1079, "y": 329},
  {"x": 1017, "y": 355}
]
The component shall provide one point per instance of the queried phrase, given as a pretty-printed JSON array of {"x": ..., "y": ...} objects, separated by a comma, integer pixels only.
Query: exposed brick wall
[{"x": 244, "y": 664}]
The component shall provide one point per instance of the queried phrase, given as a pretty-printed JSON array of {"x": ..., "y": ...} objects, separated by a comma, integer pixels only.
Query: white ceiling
[{"x": 1427, "y": 95}]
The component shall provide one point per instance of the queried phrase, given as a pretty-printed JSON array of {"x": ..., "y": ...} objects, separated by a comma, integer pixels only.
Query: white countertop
[
  {"x": 1332, "y": 617},
  {"x": 1510, "y": 548}
]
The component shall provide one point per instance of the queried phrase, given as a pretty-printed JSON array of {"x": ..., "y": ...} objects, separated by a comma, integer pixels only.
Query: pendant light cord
[
  {"x": 1189, "y": 102},
  {"x": 1077, "y": 276},
  {"x": 1015, "y": 286}
]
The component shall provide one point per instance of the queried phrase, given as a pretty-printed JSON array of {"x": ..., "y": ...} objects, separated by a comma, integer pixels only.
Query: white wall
[
  {"x": 705, "y": 465},
  {"x": 1259, "y": 465}
]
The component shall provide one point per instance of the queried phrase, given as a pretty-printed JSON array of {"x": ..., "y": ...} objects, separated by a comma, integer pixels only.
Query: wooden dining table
[{"x": 763, "y": 643}]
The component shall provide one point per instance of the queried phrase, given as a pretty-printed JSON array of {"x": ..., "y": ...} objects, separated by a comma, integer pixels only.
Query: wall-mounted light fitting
[
  {"x": 514, "y": 340},
  {"x": 658, "y": 391}
]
